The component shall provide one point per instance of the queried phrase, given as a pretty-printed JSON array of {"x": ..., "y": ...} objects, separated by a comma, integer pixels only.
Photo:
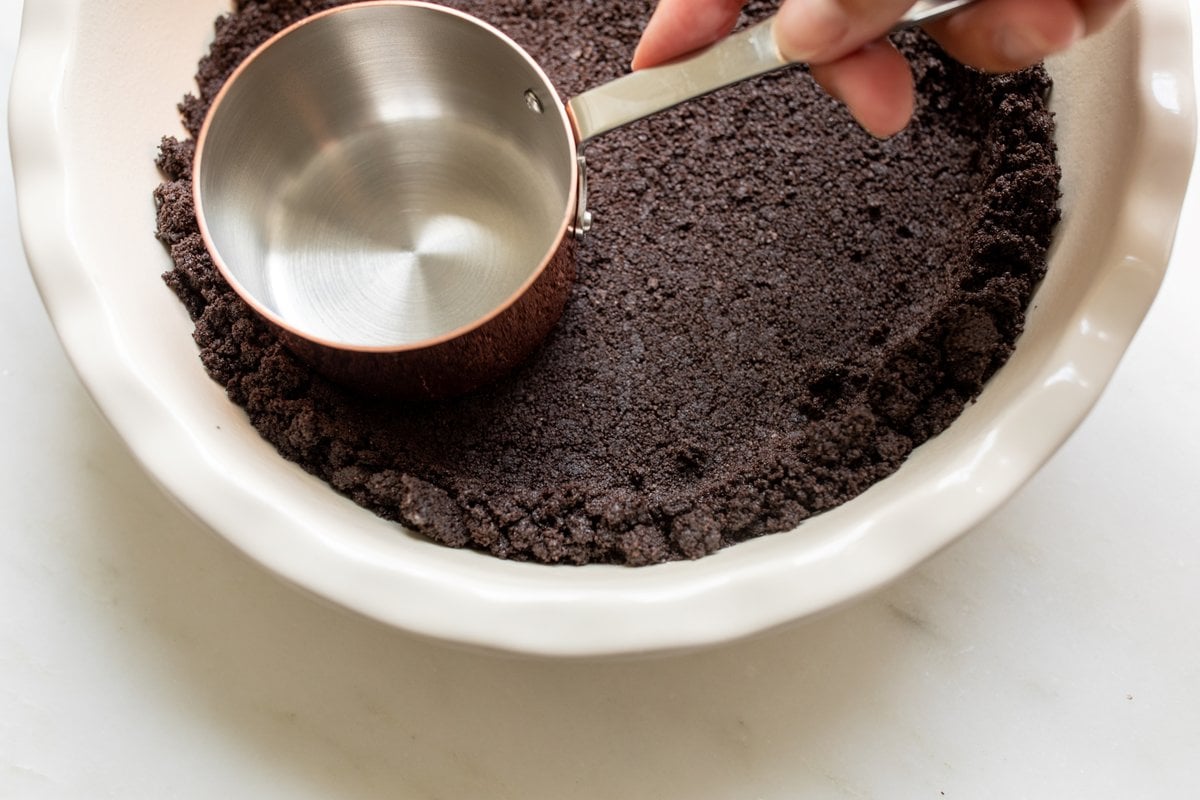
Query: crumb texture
[{"x": 772, "y": 310}]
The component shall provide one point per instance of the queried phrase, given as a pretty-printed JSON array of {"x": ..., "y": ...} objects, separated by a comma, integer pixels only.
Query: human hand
[{"x": 843, "y": 42}]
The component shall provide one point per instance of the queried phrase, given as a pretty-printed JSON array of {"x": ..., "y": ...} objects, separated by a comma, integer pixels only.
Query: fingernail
[
  {"x": 806, "y": 28},
  {"x": 1024, "y": 47}
]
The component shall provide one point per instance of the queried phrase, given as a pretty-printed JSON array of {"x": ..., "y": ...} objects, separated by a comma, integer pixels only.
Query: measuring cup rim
[{"x": 569, "y": 212}]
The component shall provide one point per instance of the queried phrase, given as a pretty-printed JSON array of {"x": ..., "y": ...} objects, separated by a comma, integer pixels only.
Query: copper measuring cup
[{"x": 397, "y": 187}]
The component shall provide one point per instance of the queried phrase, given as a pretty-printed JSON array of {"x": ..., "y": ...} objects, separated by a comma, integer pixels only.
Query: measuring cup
[{"x": 397, "y": 187}]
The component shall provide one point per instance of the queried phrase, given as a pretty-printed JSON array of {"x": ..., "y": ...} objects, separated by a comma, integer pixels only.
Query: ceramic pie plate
[{"x": 95, "y": 87}]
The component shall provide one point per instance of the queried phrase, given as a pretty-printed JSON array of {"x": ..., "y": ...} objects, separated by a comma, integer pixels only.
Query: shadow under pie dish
[{"x": 660, "y": 317}]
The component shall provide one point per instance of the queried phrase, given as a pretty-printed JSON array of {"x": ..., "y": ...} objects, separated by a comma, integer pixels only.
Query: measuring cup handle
[{"x": 743, "y": 55}]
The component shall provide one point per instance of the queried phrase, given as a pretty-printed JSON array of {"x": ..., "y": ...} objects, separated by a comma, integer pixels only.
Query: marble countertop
[{"x": 1053, "y": 652}]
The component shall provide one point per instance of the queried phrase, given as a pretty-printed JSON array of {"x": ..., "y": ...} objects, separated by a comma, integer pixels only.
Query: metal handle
[{"x": 743, "y": 55}]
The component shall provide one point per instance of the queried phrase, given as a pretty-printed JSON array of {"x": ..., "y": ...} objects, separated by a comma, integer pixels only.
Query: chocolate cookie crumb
[{"x": 771, "y": 312}]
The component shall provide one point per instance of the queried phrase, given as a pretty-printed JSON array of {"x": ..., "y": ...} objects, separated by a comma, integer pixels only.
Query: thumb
[
  {"x": 681, "y": 26},
  {"x": 820, "y": 31}
]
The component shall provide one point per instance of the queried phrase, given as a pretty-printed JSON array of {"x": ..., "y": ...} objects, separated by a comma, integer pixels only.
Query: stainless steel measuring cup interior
[{"x": 396, "y": 185}]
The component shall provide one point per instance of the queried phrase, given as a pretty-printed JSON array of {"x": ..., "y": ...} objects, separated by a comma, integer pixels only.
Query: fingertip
[
  {"x": 884, "y": 123},
  {"x": 808, "y": 29},
  {"x": 656, "y": 39},
  {"x": 679, "y": 27},
  {"x": 885, "y": 126},
  {"x": 1006, "y": 35},
  {"x": 643, "y": 56},
  {"x": 1023, "y": 47},
  {"x": 876, "y": 85}
]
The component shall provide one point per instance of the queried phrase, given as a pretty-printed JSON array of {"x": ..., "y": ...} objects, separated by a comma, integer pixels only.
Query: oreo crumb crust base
[{"x": 771, "y": 312}]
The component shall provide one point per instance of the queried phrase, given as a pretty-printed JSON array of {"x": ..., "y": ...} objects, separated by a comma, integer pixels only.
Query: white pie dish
[{"x": 94, "y": 88}]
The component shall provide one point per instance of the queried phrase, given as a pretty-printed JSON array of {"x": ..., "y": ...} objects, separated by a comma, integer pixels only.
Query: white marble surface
[{"x": 1052, "y": 653}]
